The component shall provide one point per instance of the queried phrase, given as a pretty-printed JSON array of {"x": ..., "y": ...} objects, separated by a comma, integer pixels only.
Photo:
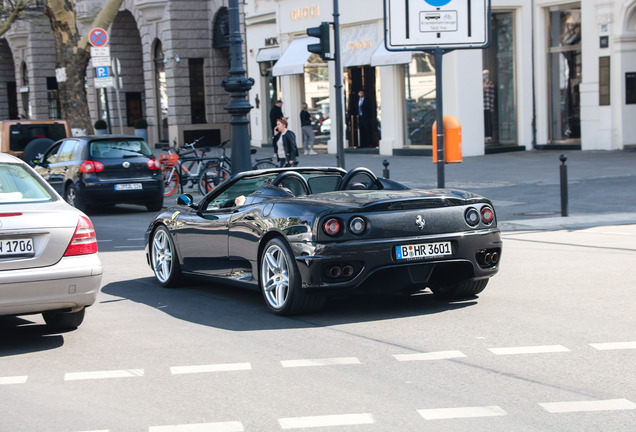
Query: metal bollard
[
  {"x": 564, "y": 185},
  {"x": 385, "y": 171}
]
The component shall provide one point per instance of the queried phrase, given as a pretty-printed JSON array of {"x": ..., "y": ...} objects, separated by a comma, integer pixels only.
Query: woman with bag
[{"x": 285, "y": 144}]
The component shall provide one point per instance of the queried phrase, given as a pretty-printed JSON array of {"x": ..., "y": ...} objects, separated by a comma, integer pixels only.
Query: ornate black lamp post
[{"x": 238, "y": 85}]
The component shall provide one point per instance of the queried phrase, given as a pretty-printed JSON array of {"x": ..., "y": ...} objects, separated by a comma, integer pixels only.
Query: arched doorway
[{"x": 8, "y": 95}]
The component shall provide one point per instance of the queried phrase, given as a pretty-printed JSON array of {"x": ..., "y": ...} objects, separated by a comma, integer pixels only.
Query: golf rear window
[{"x": 118, "y": 149}]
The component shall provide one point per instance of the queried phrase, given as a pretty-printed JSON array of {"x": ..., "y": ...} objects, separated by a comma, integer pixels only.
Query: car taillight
[
  {"x": 487, "y": 215},
  {"x": 332, "y": 226},
  {"x": 153, "y": 164},
  {"x": 84, "y": 241},
  {"x": 91, "y": 166},
  {"x": 471, "y": 216}
]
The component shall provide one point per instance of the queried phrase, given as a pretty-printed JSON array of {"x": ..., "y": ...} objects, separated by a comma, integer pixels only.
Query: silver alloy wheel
[
  {"x": 162, "y": 255},
  {"x": 275, "y": 276}
]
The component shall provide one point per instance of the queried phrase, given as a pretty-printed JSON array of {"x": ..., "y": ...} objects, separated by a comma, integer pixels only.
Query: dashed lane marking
[
  {"x": 14, "y": 379},
  {"x": 326, "y": 421},
  {"x": 178, "y": 370},
  {"x": 123, "y": 373},
  {"x": 580, "y": 406},
  {"x": 232, "y": 426},
  {"x": 438, "y": 355},
  {"x": 614, "y": 346},
  {"x": 462, "y": 412},
  {"x": 529, "y": 350},
  {"x": 320, "y": 362}
]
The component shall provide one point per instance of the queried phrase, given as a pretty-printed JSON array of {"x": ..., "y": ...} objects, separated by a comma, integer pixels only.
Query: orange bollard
[{"x": 452, "y": 140}]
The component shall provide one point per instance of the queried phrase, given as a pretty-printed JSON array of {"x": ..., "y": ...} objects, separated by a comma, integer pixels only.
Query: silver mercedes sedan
[{"x": 48, "y": 250}]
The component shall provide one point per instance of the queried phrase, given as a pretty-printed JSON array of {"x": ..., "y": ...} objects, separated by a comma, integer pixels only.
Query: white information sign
[
  {"x": 100, "y": 61},
  {"x": 100, "y": 51},
  {"x": 449, "y": 24},
  {"x": 104, "y": 82}
]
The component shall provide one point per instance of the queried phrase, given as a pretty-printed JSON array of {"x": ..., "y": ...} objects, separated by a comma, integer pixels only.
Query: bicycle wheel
[
  {"x": 211, "y": 176},
  {"x": 264, "y": 164},
  {"x": 170, "y": 181}
]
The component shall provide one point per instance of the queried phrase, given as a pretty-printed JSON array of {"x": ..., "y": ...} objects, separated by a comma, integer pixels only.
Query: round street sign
[{"x": 98, "y": 37}]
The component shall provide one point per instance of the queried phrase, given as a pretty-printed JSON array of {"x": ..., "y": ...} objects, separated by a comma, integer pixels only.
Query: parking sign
[
  {"x": 102, "y": 72},
  {"x": 426, "y": 24}
]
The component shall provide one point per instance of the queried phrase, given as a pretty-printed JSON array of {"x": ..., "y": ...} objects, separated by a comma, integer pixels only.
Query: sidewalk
[{"x": 524, "y": 186}]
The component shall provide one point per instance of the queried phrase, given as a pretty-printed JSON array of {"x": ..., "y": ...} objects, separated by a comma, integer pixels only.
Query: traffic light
[{"x": 322, "y": 33}]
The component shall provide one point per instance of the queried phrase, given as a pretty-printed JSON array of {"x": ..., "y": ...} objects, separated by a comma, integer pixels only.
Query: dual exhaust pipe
[
  {"x": 337, "y": 271},
  {"x": 491, "y": 258},
  {"x": 488, "y": 257}
]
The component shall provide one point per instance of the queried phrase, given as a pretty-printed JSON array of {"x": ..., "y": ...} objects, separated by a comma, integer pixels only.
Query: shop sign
[{"x": 305, "y": 12}]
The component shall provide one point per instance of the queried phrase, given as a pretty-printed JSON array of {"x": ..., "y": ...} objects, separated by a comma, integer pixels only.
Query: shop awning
[
  {"x": 268, "y": 54},
  {"x": 383, "y": 57},
  {"x": 293, "y": 60}
]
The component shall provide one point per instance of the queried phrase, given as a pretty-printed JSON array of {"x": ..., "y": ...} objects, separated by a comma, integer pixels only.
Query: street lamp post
[{"x": 238, "y": 85}]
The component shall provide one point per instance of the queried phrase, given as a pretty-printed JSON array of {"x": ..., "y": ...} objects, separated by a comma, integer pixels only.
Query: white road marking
[
  {"x": 464, "y": 412},
  {"x": 122, "y": 373},
  {"x": 438, "y": 355},
  {"x": 601, "y": 405},
  {"x": 13, "y": 379},
  {"x": 320, "y": 362},
  {"x": 529, "y": 350},
  {"x": 233, "y": 426},
  {"x": 177, "y": 370},
  {"x": 614, "y": 345},
  {"x": 325, "y": 421}
]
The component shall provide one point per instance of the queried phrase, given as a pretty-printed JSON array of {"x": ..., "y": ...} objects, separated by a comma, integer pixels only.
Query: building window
[
  {"x": 162, "y": 92},
  {"x": 565, "y": 73},
  {"x": 197, "y": 90},
  {"x": 53, "y": 98},
  {"x": 419, "y": 83},
  {"x": 133, "y": 107}
]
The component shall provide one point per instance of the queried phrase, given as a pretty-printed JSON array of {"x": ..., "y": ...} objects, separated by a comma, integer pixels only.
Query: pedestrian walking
[
  {"x": 275, "y": 113},
  {"x": 285, "y": 147},
  {"x": 308, "y": 131}
]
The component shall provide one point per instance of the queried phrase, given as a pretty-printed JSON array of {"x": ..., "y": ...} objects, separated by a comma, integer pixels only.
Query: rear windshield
[
  {"x": 117, "y": 149},
  {"x": 22, "y": 134},
  {"x": 20, "y": 185}
]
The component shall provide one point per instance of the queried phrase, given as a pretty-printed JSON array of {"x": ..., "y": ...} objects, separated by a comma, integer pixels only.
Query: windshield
[
  {"x": 19, "y": 185},
  {"x": 117, "y": 149}
]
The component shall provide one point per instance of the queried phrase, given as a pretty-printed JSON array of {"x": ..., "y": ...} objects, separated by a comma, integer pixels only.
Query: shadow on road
[
  {"x": 19, "y": 336},
  {"x": 241, "y": 309}
]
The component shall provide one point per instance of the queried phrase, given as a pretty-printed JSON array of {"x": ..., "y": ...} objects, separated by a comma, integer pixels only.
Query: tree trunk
[{"x": 73, "y": 54}]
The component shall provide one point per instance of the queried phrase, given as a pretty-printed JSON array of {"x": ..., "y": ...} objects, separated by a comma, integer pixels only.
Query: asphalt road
[{"x": 549, "y": 345}]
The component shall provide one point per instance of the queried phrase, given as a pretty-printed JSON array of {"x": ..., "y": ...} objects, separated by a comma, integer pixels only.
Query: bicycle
[
  {"x": 220, "y": 169},
  {"x": 183, "y": 165}
]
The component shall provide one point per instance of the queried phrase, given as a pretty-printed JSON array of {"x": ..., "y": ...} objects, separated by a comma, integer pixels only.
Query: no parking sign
[{"x": 98, "y": 37}]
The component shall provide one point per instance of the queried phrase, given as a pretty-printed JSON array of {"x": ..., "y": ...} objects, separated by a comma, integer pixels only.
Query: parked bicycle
[
  {"x": 220, "y": 169},
  {"x": 182, "y": 166}
]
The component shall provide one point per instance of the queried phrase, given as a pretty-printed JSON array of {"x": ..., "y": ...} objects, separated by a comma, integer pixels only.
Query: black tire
[
  {"x": 36, "y": 149},
  {"x": 164, "y": 258},
  {"x": 264, "y": 164},
  {"x": 58, "y": 320},
  {"x": 155, "y": 205},
  {"x": 461, "y": 290},
  {"x": 281, "y": 284},
  {"x": 212, "y": 176},
  {"x": 71, "y": 197}
]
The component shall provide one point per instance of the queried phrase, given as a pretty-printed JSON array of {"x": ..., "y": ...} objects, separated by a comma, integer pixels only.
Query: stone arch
[
  {"x": 630, "y": 19},
  {"x": 8, "y": 89},
  {"x": 125, "y": 45}
]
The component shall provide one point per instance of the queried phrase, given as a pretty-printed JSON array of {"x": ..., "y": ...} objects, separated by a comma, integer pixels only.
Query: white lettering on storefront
[{"x": 304, "y": 13}]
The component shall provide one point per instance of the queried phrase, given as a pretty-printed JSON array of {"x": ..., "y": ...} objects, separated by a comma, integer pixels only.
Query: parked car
[
  {"x": 301, "y": 234},
  {"x": 48, "y": 250},
  {"x": 104, "y": 170},
  {"x": 325, "y": 127},
  {"x": 30, "y": 139}
]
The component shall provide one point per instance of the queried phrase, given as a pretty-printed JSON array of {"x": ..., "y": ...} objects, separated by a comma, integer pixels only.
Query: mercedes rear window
[{"x": 19, "y": 185}]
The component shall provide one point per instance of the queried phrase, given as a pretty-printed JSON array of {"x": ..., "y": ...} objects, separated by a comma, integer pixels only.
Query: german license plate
[
  {"x": 13, "y": 247},
  {"x": 424, "y": 250},
  {"x": 128, "y": 186}
]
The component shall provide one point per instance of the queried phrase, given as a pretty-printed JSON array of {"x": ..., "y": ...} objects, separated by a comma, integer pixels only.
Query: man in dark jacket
[
  {"x": 365, "y": 116},
  {"x": 275, "y": 113}
]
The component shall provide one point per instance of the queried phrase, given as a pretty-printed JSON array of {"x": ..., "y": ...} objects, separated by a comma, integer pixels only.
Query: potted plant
[
  {"x": 141, "y": 128},
  {"x": 101, "y": 128}
]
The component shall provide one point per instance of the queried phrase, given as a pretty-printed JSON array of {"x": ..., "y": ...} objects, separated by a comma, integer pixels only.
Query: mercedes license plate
[
  {"x": 15, "y": 247},
  {"x": 128, "y": 186},
  {"x": 424, "y": 250}
]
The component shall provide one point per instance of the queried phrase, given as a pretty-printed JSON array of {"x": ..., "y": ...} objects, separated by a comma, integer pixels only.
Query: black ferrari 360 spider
[{"x": 302, "y": 234}]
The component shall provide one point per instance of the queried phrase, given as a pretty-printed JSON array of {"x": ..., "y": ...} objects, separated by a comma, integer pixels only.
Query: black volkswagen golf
[{"x": 104, "y": 170}]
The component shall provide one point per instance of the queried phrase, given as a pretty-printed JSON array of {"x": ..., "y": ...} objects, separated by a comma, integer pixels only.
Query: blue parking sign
[{"x": 102, "y": 72}]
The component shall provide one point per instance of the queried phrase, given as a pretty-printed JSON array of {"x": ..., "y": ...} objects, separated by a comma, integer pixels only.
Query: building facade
[
  {"x": 556, "y": 74},
  {"x": 171, "y": 57}
]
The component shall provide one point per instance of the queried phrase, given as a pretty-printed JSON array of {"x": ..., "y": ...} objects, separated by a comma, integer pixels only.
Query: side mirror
[{"x": 186, "y": 200}]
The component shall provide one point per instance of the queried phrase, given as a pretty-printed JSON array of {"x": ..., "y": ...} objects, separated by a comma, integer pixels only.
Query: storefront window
[
  {"x": 500, "y": 126},
  {"x": 317, "y": 96},
  {"x": 419, "y": 78},
  {"x": 162, "y": 92},
  {"x": 565, "y": 74}
]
